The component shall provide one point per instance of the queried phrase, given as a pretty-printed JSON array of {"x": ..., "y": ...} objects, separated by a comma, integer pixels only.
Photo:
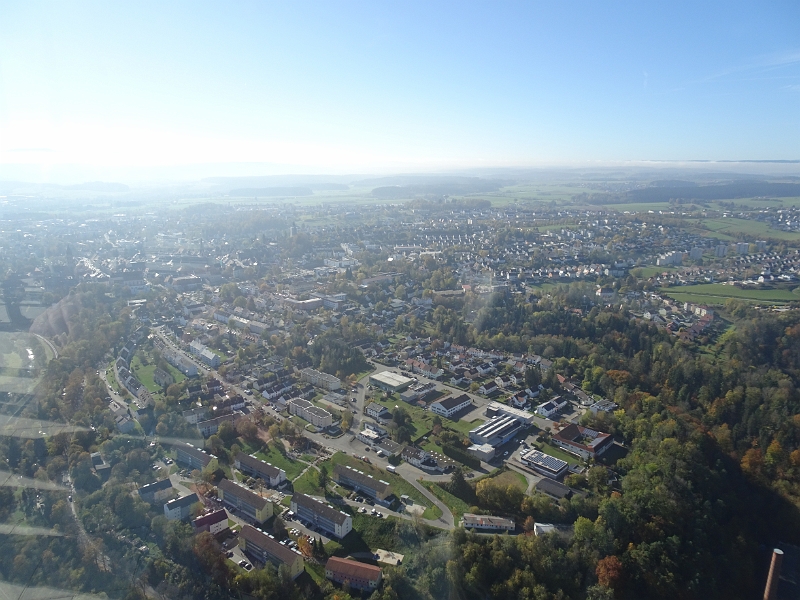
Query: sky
[{"x": 371, "y": 86}]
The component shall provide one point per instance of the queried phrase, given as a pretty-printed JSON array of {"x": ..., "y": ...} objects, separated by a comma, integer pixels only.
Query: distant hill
[
  {"x": 98, "y": 186},
  {"x": 744, "y": 189},
  {"x": 445, "y": 186},
  {"x": 271, "y": 192}
]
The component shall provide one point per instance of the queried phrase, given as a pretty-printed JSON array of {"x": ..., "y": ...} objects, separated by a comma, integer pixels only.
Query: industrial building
[
  {"x": 484, "y": 452},
  {"x": 496, "y": 408},
  {"x": 496, "y": 431},
  {"x": 390, "y": 382},
  {"x": 542, "y": 463}
]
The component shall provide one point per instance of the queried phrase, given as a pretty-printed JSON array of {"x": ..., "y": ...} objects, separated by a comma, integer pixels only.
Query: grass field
[
  {"x": 511, "y": 478},
  {"x": 456, "y": 505},
  {"x": 421, "y": 420},
  {"x": 292, "y": 467},
  {"x": 731, "y": 226},
  {"x": 432, "y": 512},
  {"x": 144, "y": 374},
  {"x": 718, "y": 293},
  {"x": 462, "y": 425},
  {"x": 308, "y": 483}
]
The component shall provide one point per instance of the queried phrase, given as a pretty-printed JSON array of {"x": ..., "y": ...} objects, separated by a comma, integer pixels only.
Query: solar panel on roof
[{"x": 590, "y": 433}]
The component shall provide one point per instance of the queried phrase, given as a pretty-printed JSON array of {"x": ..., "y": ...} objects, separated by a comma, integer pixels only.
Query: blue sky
[{"x": 330, "y": 86}]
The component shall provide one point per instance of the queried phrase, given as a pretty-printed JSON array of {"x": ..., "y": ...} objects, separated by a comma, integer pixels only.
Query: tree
[
  {"x": 609, "y": 572},
  {"x": 323, "y": 477},
  {"x": 533, "y": 377},
  {"x": 279, "y": 529}
]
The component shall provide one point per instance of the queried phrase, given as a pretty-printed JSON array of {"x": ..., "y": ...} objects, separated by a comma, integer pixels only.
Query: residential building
[
  {"x": 204, "y": 354},
  {"x": 162, "y": 378},
  {"x": 418, "y": 457},
  {"x": 603, "y": 406},
  {"x": 180, "y": 508},
  {"x": 542, "y": 463},
  {"x": 155, "y": 492},
  {"x": 487, "y": 522},
  {"x": 272, "y": 476},
  {"x": 370, "y": 436},
  {"x": 376, "y": 489},
  {"x": 192, "y": 457},
  {"x": 450, "y": 405},
  {"x": 551, "y": 407},
  {"x": 263, "y": 548},
  {"x": 214, "y": 522},
  {"x": 193, "y": 415},
  {"x": 318, "y": 417},
  {"x": 488, "y": 388},
  {"x": 333, "y": 521},
  {"x": 377, "y": 412},
  {"x": 503, "y": 381},
  {"x": 360, "y": 576},
  {"x": 320, "y": 379},
  {"x": 211, "y": 426},
  {"x": 582, "y": 441},
  {"x": 246, "y": 501}
]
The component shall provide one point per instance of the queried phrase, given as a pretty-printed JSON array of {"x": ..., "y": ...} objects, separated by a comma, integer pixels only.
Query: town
[{"x": 300, "y": 381}]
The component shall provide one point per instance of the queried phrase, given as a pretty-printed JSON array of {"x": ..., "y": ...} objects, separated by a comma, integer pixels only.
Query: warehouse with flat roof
[
  {"x": 542, "y": 463},
  {"x": 390, "y": 382},
  {"x": 496, "y": 431}
]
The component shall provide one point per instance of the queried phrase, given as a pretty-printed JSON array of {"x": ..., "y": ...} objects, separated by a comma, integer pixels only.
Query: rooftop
[
  {"x": 352, "y": 569},
  {"x": 320, "y": 508},
  {"x": 452, "y": 402}
]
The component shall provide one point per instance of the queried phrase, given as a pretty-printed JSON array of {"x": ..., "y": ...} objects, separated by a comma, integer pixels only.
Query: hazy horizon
[{"x": 157, "y": 92}]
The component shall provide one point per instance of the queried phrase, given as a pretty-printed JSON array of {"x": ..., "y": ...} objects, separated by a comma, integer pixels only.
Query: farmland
[{"x": 718, "y": 293}]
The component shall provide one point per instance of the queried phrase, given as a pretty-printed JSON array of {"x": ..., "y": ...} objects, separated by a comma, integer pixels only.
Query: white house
[
  {"x": 450, "y": 405},
  {"x": 550, "y": 407}
]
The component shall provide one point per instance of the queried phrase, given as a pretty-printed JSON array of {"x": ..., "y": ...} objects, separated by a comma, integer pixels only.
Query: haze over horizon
[{"x": 162, "y": 91}]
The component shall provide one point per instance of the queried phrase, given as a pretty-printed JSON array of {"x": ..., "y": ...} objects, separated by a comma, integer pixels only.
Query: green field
[
  {"x": 507, "y": 478},
  {"x": 144, "y": 374},
  {"x": 292, "y": 467},
  {"x": 307, "y": 483},
  {"x": 456, "y": 505},
  {"x": 718, "y": 293},
  {"x": 730, "y": 226}
]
